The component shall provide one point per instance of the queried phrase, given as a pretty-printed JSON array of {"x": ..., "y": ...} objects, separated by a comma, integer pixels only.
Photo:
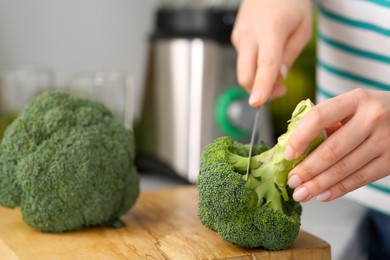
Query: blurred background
[
  {"x": 166, "y": 68},
  {"x": 69, "y": 37}
]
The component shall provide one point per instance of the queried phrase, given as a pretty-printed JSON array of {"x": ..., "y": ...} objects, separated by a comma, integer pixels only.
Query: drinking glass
[
  {"x": 112, "y": 88},
  {"x": 20, "y": 84}
]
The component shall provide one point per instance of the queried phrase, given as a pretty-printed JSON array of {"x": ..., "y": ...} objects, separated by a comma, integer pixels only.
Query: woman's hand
[
  {"x": 356, "y": 153},
  {"x": 268, "y": 36}
]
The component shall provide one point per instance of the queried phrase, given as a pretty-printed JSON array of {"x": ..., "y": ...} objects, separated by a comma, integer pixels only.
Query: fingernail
[
  {"x": 289, "y": 153},
  {"x": 283, "y": 71},
  {"x": 300, "y": 194},
  {"x": 254, "y": 97},
  {"x": 324, "y": 196},
  {"x": 294, "y": 181}
]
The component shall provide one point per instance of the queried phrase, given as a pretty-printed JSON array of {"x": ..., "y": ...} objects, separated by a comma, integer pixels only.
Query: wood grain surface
[{"x": 162, "y": 225}]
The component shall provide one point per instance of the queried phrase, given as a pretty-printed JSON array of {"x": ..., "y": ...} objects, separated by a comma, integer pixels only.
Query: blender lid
[{"x": 215, "y": 24}]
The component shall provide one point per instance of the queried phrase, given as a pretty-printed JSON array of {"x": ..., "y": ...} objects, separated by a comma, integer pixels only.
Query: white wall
[{"x": 77, "y": 35}]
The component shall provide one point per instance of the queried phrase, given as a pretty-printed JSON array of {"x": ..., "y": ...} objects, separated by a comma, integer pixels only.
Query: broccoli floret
[
  {"x": 68, "y": 164},
  {"x": 258, "y": 211}
]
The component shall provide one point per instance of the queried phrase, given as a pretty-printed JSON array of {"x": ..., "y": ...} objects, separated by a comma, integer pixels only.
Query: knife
[{"x": 252, "y": 140}]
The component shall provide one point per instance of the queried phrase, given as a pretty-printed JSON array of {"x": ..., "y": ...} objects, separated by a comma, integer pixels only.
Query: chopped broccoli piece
[
  {"x": 68, "y": 164},
  {"x": 260, "y": 211}
]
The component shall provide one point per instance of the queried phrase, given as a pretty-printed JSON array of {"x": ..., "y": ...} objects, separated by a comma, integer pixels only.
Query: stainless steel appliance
[{"x": 191, "y": 95}]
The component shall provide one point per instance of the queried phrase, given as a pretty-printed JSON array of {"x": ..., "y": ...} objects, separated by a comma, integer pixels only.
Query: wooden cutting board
[{"x": 162, "y": 225}]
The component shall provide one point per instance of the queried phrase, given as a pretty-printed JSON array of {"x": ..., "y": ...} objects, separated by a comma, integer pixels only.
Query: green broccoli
[
  {"x": 68, "y": 164},
  {"x": 258, "y": 211}
]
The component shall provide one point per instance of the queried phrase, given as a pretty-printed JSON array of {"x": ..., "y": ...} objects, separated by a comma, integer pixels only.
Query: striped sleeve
[{"x": 353, "y": 51}]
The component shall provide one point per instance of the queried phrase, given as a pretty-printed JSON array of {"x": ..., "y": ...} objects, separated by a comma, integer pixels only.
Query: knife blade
[{"x": 253, "y": 138}]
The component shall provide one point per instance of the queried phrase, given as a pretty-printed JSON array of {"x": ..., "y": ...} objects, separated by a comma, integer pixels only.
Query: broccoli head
[
  {"x": 67, "y": 163},
  {"x": 258, "y": 211}
]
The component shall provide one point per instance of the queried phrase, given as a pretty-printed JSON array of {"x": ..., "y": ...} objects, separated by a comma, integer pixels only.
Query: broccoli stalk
[
  {"x": 240, "y": 163},
  {"x": 253, "y": 212},
  {"x": 268, "y": 176}
]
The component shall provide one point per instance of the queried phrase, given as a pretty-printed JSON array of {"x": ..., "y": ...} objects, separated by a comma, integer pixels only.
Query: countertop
[
  {"x": 338, "y": 222},
  {"x": 163, "y": 224}
]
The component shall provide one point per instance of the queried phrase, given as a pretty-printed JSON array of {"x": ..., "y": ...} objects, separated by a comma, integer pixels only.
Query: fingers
[
  {"x": 268, "y": 36},
  {"x": 297, "y": 41},
  {"x": 292, "y": 49},
  {"x": 372, "y": 171},
  {"x": 278, "y": 90},
  {"x": 351, "y": 166},
  {"x": 275, "y": 56},
  {"x": 327, "y": 114},
  {"x": 268, "y": 68},
  {"x": 246, "y": 65},
  {"x": 355, "y": 154},
  {"x": 333, "y": 149},
  {"x": 356, "y": 180},
  {"x": 332, "y": 129}
]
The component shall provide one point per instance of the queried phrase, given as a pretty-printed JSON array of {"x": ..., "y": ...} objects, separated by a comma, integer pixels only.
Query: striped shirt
[{"x": 353, "y": 49}]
